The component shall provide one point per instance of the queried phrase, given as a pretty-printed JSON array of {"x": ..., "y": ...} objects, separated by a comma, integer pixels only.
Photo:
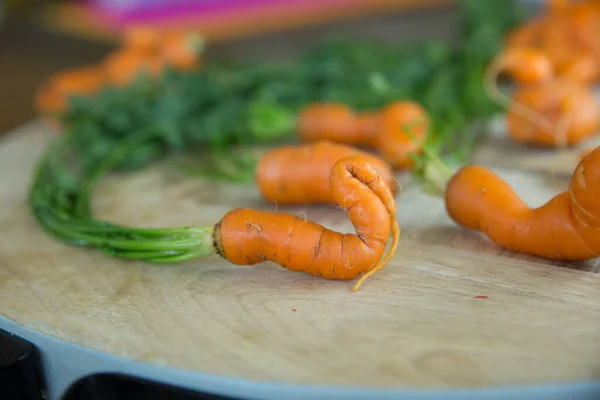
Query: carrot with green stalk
[
  {"x": 377, "y": 130},
  {"x": 380, "y": 130},
  {"x": 564, "y": 228},
  {"x": 242, "y": 236}
]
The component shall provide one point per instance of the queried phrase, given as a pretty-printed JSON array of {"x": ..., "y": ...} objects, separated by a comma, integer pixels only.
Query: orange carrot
[
  {"x": 52, "y": 95},
  {"x": 385, "y": 130},
  {"x": 548, "y": 111},
  {"x": 182, "y": 50},
  {"x": 122, "y": 66},
  {"x": 395, "y": 142},
  {"x": 569, "y": 113},
  {"x": 567, "y": 30},
  {"x": 247, "y": 236},
  {"x": 582, "y": 68},
  {"x": 300, "y": 174},
  {"x": 564, "y": 228},
  {"x": 141, "y": 38},
  {"x": 524, "y": 65}
]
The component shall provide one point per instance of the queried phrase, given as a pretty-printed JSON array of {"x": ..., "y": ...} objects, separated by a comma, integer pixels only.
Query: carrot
[
  {"x": 247, "y": 236},
  {"x": 583, "y": 68},
  {"x": 548, "y": 111},
  {"x": 565, "y": 32},
  {"x": 52, "y": 95},
  {"x": 564, "y": 228},
  {"x": 300, "y": 174},
  {"x": 122, "y": 66},
  {"x": 524, "y": 65},
  {"x": 141, "y": 38},
  {"x": 329, "y": 121},
  {"x": 570, "y": 113},
  {"x": 182, "y": 49},
  {"x": 382, "y": 130}
]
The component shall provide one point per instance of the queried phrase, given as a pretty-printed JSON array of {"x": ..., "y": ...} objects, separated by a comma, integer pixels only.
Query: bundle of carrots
[
  {"x": 142, "y": 50},
  {"x": 346, "y": 157},
  {"x": 555, "y": 60},
  {"x": 568, "y": 33}
]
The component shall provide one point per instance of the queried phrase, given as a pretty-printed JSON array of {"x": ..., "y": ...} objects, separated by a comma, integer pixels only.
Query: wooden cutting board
[{"x": 420, "y": 322}]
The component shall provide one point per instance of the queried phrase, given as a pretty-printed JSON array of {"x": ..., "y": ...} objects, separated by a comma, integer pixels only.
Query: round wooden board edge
[{"x": 65, "y": 363}]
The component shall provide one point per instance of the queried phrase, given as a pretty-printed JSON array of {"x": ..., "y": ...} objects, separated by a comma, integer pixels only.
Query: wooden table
[{"x": 450, "y": 310}]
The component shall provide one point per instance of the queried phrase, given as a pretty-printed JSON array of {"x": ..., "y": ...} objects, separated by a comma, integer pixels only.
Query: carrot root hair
[{"x": 395, "y": 241}]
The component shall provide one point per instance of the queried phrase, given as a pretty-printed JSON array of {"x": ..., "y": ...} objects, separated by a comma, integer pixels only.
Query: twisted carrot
[
  {"x": 247, "y": 236},
  {"x": 565, "y": 228}
]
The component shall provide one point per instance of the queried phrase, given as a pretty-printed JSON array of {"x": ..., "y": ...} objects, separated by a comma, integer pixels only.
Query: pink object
[{"x": 130, "y": 11}]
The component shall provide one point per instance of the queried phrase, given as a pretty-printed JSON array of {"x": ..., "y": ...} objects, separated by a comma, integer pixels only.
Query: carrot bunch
[
  {"x": 142, "y": 50},
  {"x": 544, "y": 110},
  {"x": 569, "y": 34}
]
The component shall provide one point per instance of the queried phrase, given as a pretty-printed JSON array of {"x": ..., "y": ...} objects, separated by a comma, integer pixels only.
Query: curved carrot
[
  {"x": 565, "y": 228},
  {"x": 570, "y": 111},
  {"x": 567, "y": 30},
  {"x": 401, "y": 131},
  {"x": 524, "y": 65},
  {"x": 385, "y": 130},
  {"x": 547, "y": 112},
  {"x": 300, "y": 174},
  {"x": 248, "y": 237}
]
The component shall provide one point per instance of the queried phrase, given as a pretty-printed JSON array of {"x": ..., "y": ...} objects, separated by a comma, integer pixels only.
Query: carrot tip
[{"x": 395, "y": 240}]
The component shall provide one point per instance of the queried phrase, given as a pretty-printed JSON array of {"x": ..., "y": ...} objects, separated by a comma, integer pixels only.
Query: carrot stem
[{"x": 63, "y": 210}]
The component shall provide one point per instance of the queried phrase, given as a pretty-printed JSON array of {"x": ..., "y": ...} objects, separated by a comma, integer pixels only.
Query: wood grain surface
[{"x": 417, "y": 323}]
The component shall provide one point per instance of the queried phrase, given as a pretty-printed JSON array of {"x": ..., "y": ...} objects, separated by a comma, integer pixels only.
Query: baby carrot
[
  {"x": 52, "y": 95},
  {"x": 565, "y": 228},
  {"x": 141, "y": 38},
  {"x": 382, "y": 131},
  {"x": 522, "y": 64},
  {"x": 570, "y": 113},
  {"x": 300, "y": 174},
  {"x": 122, "y": 66},
  {"x": 182, "y": 50},
  {"x": 548, "y": 111},
  {"x": 248, "y": 237}
]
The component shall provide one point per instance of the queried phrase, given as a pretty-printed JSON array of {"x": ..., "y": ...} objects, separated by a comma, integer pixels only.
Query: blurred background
[{"x": 39, "y": 37}]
